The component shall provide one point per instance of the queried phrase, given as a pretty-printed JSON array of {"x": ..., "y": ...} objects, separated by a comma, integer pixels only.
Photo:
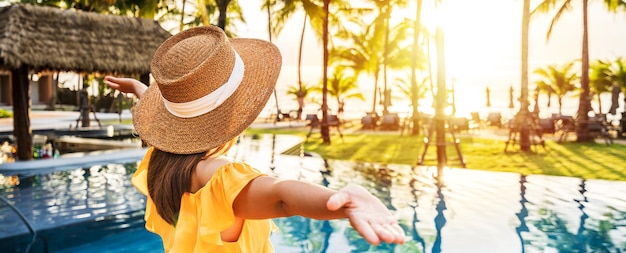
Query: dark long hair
[{"x": 170, "y": 175}]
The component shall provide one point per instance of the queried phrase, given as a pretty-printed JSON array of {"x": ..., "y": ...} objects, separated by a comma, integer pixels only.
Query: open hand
[
  {"x": 367, "y": 215},
  {"x": 126, "y": 85}
]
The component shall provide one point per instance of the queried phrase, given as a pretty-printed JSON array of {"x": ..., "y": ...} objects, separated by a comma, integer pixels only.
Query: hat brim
[{"x": 159, "y": 128}]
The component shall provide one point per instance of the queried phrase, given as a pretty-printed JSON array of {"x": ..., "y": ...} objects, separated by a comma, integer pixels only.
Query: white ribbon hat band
[{"x": 212, "y": 100}]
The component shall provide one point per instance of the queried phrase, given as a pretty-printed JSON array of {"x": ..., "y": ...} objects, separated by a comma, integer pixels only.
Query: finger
[
  {"x": 337, "y": 200},
  {"x": 365, "y": 230},
  {"x": 384, "y": 232},
  {"x": 392, "y": 233},
  {"x": 112, "y": 85},
  {"x": 111, "y": 79},
  {"x": 399, "y": 232},
  {"x": 389, "y": 232}
]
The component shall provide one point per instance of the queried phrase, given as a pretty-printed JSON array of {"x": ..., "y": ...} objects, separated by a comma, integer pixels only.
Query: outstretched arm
[
  {"x": 126, "y": 85},
  {"x": 267, "y": 197}
]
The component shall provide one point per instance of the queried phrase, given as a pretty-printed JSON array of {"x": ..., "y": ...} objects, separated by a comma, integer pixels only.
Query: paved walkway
[
  {"x": 60, "y": 119},
  {"x": 40, "y": 119}
]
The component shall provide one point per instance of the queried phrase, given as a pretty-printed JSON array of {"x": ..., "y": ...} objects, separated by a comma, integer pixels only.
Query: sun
[{"x": 481, "y": 42}]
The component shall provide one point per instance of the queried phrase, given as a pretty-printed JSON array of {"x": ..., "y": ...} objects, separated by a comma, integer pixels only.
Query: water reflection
[
  {"x": 580, "y": 235},
  {"x": 326, "y": 228},
  {"x": 415, "y": 235},
  {"x": 273, "y": 153},
  {"x": 593, "y": 234},
  {"x": 469, "y": 211},
  {"x": 68, "y": 197},
  {"x": 379, "y": 179},
  {"x": 304, "y": 234},
  {"x": 479, "y": 209},
  {"x": 440, "y": 219},
  {"x": 523, "y": 213}
]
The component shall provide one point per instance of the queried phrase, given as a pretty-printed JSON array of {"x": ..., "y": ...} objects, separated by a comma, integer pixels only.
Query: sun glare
[
  {"x": 429, "y": 15},
  {"x": 481, "y": 45}
]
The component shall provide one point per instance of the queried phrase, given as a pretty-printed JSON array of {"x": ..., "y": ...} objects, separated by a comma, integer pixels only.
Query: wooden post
[{"x": 21, "y": 113}]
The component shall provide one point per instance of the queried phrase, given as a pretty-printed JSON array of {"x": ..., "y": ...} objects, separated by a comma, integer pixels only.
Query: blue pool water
[{"x": 450, "y": 210}]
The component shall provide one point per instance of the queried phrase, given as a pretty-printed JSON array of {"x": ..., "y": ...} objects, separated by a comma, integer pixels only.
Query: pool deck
[
  {"x": 40, "y": 120},
  {"x": 46, "y": 120},
  {"x": 70, "y": 207}
]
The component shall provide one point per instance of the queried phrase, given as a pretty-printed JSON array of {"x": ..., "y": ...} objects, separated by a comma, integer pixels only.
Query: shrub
[{"x": 5, "y": 114}]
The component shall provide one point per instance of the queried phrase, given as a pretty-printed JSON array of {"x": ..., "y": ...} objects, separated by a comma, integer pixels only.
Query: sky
[{"x": 482, "y": 46}]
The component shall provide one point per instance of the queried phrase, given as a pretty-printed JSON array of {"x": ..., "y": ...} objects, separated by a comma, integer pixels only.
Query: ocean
[{"x": 468, "y": 98}]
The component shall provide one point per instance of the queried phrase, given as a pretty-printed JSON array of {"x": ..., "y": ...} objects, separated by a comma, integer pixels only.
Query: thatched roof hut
[
  {"x": 46, "y": 38},
  {"x": 37, "y": 38}
]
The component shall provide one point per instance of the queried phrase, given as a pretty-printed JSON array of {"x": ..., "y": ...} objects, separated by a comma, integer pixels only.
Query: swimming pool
[{"x": 450, "y": 210}]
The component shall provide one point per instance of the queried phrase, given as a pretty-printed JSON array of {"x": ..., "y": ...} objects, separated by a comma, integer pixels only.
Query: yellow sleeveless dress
[{"x": 207, "y": 212}]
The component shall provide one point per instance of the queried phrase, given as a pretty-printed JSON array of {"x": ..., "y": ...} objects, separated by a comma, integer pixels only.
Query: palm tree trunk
[
  {"x": 376, "y": 70},
  {"x": 599, "y": 104},
  {"x": 300, "y": 91},
  {"x": 430, "y": 67},
  {"x": 414, "y": 89},
  {"x": 386, "y": 98},
  {"x": 523, "y": 113},
  {"x": 324, "y": 129},
  {"x": 182, "y": 16},
  {"x": 222, "y": 6},
  {"x": 584, "y": 106},
  {"x": 441, "y": 100},
  {"x": 269, "y": 20},
  {"x": 269, "y": 35}
]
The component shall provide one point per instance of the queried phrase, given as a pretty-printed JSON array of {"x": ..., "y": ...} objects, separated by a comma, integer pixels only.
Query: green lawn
[{"x": 585, "y": 160}]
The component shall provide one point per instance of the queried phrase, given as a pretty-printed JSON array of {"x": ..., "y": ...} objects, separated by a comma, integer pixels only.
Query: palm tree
[
  {"x": 343, "y": 87},
  {"x": 182, "y": 16},
  {"x": 312, "y": 12},
  {"x": 324, "y": 129},
  {"x": 440, "y": 100},
  {"x": 361, "y": 52},
  {"x": 523, "y": 112},
  {"x": 141, "y": 8},
  {"x": 324, "y": 126},
  {"x": 600, "y": 80},
  {"x": 584, "y": 105},
  {"x": 619, "y": 76},
  {"x": 411, "y": 88},
  {"x": 398, "y": 55},
  {"x": 619, "y": 72},
  {"x": 313, "y": 16},
  {"x": 222, "y": 13},
  {"x": 558, "y": 81},
  {"x": 222, "y": 6},
  {"x": 385, "y": 8},
  {"x": 414, "y": 50},
  {"x": 300, "y": 92},
  {"x": 377, "y": 40}
]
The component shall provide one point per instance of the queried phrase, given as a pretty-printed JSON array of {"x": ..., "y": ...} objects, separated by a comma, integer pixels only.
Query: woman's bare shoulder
[{"x": 206, "y": 169}]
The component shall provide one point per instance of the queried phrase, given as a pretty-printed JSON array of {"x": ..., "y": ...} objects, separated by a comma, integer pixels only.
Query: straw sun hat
[{"x": 208, "y": 90}]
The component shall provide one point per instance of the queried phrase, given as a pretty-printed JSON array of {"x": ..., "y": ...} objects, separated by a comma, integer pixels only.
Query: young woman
[{"x": 208, "y": 89}]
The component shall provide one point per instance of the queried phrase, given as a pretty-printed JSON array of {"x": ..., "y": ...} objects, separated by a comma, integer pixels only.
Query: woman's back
[{"x": 206, "y": 221}]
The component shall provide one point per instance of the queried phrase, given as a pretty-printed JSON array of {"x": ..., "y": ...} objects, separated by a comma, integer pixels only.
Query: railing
[{"x": 30, "y": 227}]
